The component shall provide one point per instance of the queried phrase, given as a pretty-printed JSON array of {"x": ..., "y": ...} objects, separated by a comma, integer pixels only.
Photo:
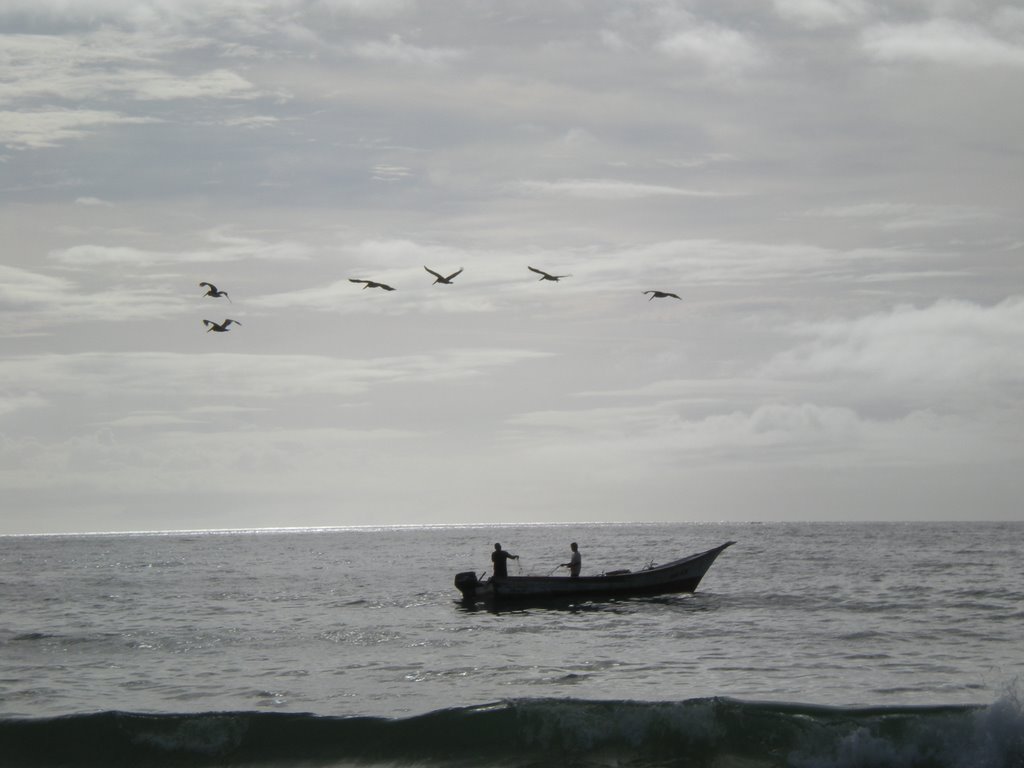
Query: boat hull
[{"x": 683, "y": 575}]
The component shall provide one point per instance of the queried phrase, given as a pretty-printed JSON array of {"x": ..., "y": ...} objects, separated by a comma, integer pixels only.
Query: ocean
[{"x": 811, "y": 645}]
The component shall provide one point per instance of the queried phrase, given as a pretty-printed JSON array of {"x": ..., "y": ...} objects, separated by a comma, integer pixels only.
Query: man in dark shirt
[{"x": 500, "y": 559}]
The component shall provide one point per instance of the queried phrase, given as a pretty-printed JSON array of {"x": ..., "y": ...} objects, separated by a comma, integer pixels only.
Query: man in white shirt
[{"x": 575, "y": 562}]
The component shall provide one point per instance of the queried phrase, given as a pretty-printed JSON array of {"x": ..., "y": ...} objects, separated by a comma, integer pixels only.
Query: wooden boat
[{"x": 681, "y": 575}]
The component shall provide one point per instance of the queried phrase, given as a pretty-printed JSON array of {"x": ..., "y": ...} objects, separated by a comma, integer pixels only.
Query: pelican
[
  {"x": 442, "y": 278},
  {"x": 660, "y": 294},
  {"x": 545, "y": 276},
  {"x": 214, "y": 292},
  {"x": 219, "y": 327},
  {"x": 371, "y": 284}
]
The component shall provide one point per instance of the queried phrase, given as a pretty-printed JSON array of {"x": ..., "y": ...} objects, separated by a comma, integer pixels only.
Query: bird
[
  {"x": 545, "y": 276},
  {"x": 371, "y": 284},
  {"x": 219, "y": 327},
  {"x": 442, "y": 278},
  {"x": 660, "y": 294},
  {"x": 214, "y": 292}
]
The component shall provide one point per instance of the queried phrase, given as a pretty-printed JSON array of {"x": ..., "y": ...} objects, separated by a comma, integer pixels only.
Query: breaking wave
[{"x": 715, "y": 732}]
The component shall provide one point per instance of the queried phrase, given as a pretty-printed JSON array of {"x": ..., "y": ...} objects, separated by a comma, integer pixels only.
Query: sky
[{"x": 832, "y": 188}]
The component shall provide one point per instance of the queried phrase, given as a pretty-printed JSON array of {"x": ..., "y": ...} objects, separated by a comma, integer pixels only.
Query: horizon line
[{"x": 427, "y": 526}]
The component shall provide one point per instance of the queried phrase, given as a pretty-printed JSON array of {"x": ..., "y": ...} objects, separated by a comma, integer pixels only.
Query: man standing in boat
[
  {"x": 575, "y": 562},
  {"x": 500, "y": 559}
]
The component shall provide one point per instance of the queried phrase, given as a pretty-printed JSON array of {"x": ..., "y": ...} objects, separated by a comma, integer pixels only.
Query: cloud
[
  {"x": 94, "y": 255},
  {"x": 10, "y": 404},
  {"x": 389, "y": 172},
  {"x": 643, "y": 438},
  {"x": 705, "y": 391},
  {"x": 202, "y": 376},
  {"x": 157, "y": 85},
  {"x": 126, "y": 458},
  {"x": 106, "y": 65},
  {"x": 773, "y": 432},
  {"x": 249, "y": 122},
  {"x": 31, "y": 302},
  {"x": 940, "y": 41},
  {"x": 608, "y": 189},
  {"x": 724, "y": 262},
  {"x": 815, "y": 14},
  {"x": 371, "y": 8},
  {"x": 394, "y": 49},
  {"x": 159, "y": 12},
  {"x": 50, "y": 128},
  {"x": 951, "y": 342},
  {"x": 778, "y": 433},
  {"x": 22, "y": 287},
  {"x": 698, "y": 161},
  {"x": 58, "y": 88},
  {"x": 224, "y": 248},
  {"x": 398, "y": 253},
  {"x": 144, "y": 419},
  {"x": 900, "y": 216},
  {"x": 808, "y": 433},
  {"x": 723, "y": 52},
  {"x": 136, "y": 420}
]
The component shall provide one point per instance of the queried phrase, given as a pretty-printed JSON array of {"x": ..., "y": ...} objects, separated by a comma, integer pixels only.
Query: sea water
[{"x": 806, "y": 645}]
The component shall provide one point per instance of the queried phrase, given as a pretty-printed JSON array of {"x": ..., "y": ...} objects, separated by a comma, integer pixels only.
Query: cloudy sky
[{"x": 832, "y": 187}]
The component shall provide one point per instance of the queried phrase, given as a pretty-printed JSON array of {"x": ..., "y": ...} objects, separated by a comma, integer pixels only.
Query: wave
[{"x": 702, "y": 733}]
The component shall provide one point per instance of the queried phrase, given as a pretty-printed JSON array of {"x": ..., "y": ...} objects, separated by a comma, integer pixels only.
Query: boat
[{"x": 682, "y": 575}]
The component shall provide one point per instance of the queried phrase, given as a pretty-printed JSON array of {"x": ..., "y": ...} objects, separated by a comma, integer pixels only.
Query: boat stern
[{"x": 467, "y": 582}]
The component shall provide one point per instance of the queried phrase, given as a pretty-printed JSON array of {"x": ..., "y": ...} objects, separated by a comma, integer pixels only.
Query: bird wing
[
  {"x": 208, "y": 322},
  {"x": 211, "y": 286},
  {"x": 453, "y": 275},
  {"x": 385, "y": 287},
  {"x": 229, "y": 321},
  {"x": 435, "y": 274},
  {"x": 674, "y": 296},
  {"x": 354, "y": 280},
  {"x": 539, "y": 271}
]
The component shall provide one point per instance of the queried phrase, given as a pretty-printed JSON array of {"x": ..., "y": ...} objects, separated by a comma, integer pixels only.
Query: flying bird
[
  {"x": 214, "y": 292},
  {"x": 371, "y": 284},
  {"x": 442, "y": 278},
  {"x": 545, "y": 276},
  {"x": 219, "y": 327},
  {"x": 660, "y": 294}
]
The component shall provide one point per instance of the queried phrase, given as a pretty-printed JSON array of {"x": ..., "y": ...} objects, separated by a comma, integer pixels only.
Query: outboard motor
[{"x": 467, "y": 582}]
